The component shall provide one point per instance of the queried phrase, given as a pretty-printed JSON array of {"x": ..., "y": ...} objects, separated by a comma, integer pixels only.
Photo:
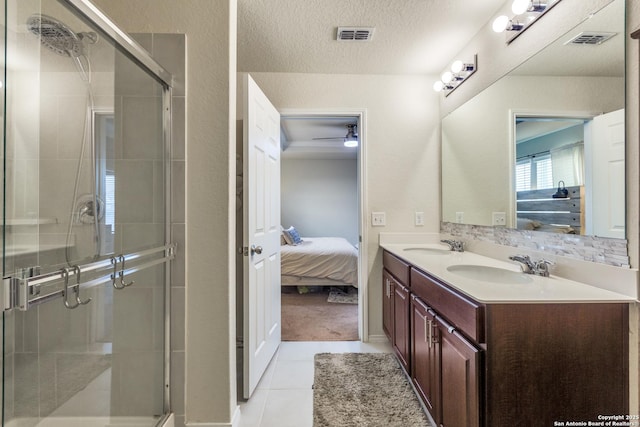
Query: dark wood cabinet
[
  {"x": 494, "y": 365},
  {"x": 569, "y": 360},
  {"x": 425, "y": 356},
  {"x": 387, "y": 303},
  {"x": 396, "y": 306},
  {"x": 401, "y": 328},
  {"x": 460, "y": 387}
]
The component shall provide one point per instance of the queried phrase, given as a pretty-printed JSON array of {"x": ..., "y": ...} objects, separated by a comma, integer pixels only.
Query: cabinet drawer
[
  {"x": 398, "y": 268},
  {"x": 464, "y": 314}
]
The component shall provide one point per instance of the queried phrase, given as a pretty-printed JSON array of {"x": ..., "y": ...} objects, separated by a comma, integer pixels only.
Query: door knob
[{"x": 256, "y": 249}]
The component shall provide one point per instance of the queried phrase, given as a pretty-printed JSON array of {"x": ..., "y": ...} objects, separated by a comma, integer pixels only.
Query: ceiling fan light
[{"x": 350, "y": 143}]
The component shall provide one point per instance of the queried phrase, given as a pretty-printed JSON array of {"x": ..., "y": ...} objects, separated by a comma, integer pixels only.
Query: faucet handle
[
  {"x": 541, "y": 267},
  {"x": 454, "y": 245}
]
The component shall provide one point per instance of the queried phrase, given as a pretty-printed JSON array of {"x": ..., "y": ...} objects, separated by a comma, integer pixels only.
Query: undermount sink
[
  {"x": 486, "y": 273},
  {"x": 430, "y": 251}
]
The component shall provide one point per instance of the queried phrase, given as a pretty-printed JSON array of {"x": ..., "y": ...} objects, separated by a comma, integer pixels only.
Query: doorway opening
[{"x": 321, "y": 198}]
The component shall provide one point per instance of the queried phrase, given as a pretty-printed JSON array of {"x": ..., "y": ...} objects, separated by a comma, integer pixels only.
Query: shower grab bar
[{"x": 24, "y": 293}]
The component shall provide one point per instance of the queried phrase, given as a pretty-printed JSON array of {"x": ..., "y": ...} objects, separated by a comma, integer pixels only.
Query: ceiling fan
[{"x": 350, "y": 139}]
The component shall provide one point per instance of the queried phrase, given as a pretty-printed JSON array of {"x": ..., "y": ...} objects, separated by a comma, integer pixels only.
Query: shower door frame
[
  {"x": 143, "y": 59},
  {"x": 146, "y": 61}
]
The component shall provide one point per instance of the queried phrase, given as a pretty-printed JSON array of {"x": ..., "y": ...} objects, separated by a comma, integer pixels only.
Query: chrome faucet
[
  {"x": 454, "y": 245},
  {"x": 540, "y": 267},
  {"x": 526, "y": 265}
]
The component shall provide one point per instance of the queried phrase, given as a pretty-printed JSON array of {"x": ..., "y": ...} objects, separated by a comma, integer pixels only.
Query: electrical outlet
[
  {"x": 499, "y": 218},
  {"x": 459, "y": 217},
  {"x": 419, "y": 218},
  {"x": 378, "y": 219}
]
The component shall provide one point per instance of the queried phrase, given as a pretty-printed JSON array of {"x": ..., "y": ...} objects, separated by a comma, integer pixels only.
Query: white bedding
[{"x": 331, "y": 258}]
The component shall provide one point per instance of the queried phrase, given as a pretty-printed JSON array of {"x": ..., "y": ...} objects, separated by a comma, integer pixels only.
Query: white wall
[{"x": 320, "y": 197}]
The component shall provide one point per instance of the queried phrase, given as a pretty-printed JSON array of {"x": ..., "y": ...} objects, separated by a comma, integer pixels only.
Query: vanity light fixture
[
  {"x": 503, "y": 23},
  {"x": 526, "y": 13},
  {"x": 458, "y": 73}
]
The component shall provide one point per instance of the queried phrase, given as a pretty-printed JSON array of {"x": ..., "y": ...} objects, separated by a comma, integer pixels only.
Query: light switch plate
[{"x": 378, "y": 219}]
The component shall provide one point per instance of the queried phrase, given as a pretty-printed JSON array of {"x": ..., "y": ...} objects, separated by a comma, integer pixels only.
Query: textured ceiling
[
  {"x": 411, "y": 36},
  {"x": 604, "y": 60}
]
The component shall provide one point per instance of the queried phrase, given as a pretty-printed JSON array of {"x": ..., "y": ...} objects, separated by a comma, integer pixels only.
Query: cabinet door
[
  {"x": 401, "y": 324},
  {"x": 387, "y": 304},
  {"x": 425, "y": 357},
  {"x": 460, "y": 388}
]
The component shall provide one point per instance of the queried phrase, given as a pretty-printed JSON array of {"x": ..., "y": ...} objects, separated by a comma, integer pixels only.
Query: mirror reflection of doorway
[{"x": 569, "y": 174}]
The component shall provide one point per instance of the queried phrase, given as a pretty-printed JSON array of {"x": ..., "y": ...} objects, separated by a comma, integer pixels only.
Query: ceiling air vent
[
  {"x": 355, "y": 34},
  {"x": 590, "y": 37}
]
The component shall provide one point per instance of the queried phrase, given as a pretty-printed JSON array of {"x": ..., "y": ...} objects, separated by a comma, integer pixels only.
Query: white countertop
[{"x": 538, "y": 289}]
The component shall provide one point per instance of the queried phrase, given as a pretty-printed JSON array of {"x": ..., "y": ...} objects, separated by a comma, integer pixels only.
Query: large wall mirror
[{"x": 543, "y": 147}]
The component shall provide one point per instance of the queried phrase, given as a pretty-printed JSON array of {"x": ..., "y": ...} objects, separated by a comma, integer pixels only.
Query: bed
[
  {"x": 538, "y": 210},
  {"x": 319, "y": 261}
]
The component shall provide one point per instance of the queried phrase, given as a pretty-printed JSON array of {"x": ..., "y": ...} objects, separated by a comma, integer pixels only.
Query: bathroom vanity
[{"x": 486, "y": 345}]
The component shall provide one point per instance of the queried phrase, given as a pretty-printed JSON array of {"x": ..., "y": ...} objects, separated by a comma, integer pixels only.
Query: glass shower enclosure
[{"x": 85, "y": 236}]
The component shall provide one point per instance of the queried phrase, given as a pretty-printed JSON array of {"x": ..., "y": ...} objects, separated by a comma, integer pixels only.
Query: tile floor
[{"x": 284, "y": 397}]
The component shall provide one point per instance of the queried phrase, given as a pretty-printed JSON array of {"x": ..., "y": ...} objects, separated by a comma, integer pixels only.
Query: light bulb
[
  {"x": 520, "y": 6},
  {"x": 438, "y": 86},
  {"x": 500, "y": 24},
  {"x": 351, "y": 143},
  {"x": 457, "y": 66},
  {"x": 446, "y": 77}
]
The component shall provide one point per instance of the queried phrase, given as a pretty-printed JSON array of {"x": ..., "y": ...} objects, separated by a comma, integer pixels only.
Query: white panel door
[
  {"x": 261, "y": 204},
  {"x": 608, "y": 180}
]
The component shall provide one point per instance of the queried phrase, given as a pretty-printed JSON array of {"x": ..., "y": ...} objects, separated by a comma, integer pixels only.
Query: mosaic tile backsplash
[{"x": 584, "y": 248}]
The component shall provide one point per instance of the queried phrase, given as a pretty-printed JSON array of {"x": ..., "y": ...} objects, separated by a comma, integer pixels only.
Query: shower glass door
[{"x": 84, "y": 235}]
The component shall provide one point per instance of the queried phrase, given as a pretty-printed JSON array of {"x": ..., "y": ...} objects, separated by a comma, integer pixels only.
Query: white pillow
[{"x": 292, "y": 236}]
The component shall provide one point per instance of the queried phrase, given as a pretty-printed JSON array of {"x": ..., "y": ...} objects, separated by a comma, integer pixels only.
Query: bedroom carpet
[
  {"x": 363, "y": 389},
  {"x": 310, "y": 317}
]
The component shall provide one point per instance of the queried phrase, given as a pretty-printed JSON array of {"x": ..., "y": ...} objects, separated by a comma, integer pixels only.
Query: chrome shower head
[{"x": 58, "y": 37}]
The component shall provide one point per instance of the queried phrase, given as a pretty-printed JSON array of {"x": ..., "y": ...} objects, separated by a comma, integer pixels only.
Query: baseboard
[
  {"x": 235, "y": 421},
  {"x": 378, "y": 338}
]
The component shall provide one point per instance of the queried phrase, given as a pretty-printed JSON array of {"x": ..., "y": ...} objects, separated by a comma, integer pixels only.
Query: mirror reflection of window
[
  {"x": 549, "y": 150},
  {"x": 105, "y": 175},
  {"x": 534, "y": 172}
]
